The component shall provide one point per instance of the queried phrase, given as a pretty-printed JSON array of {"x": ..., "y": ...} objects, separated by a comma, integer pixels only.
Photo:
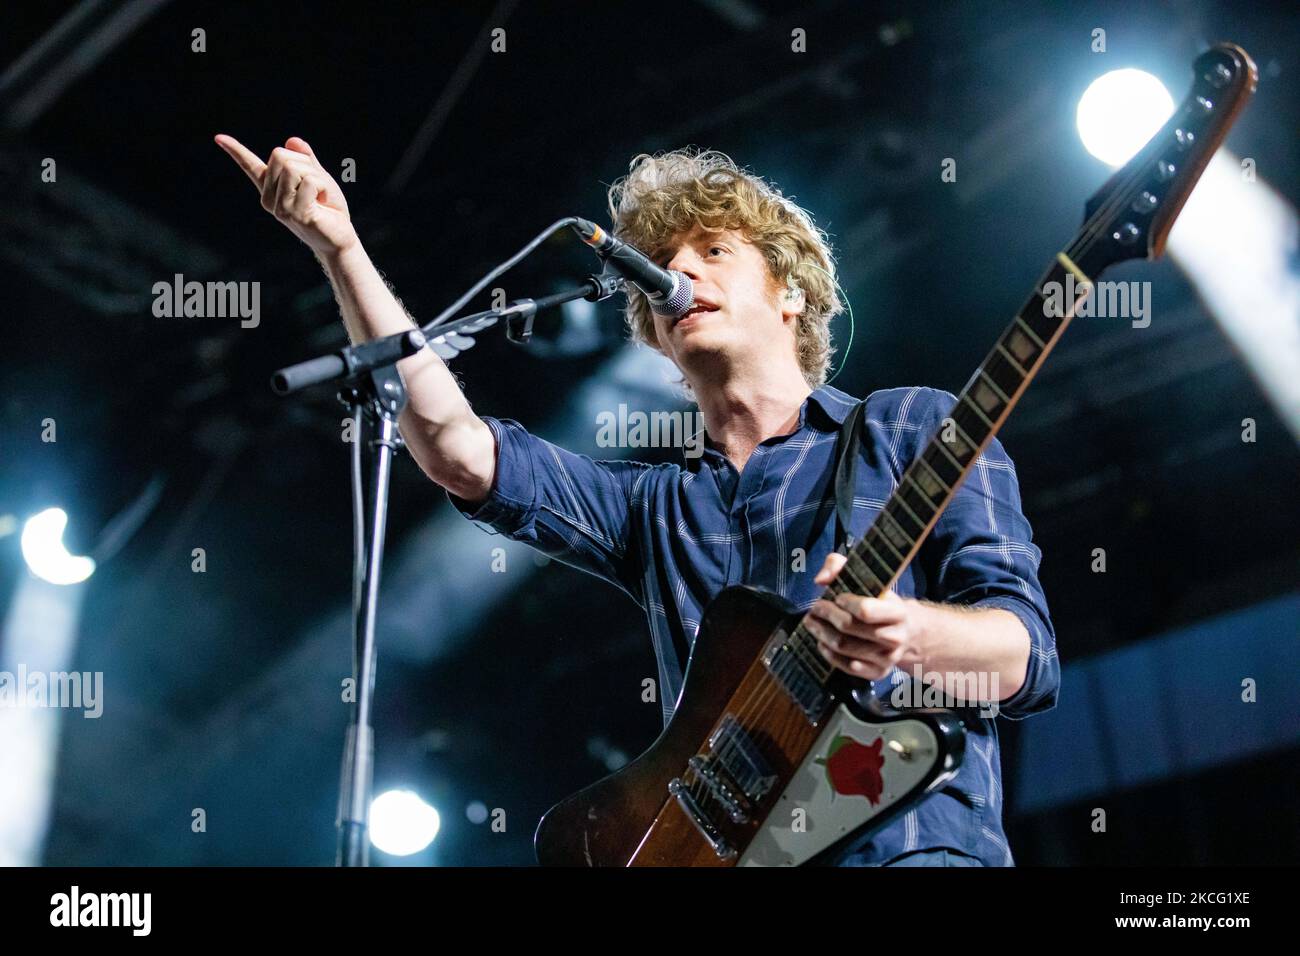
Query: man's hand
[
  {"x": 296, "y": 189},
  {"x": 452, "y": 445},
  {"x": 867, "y": 637}
]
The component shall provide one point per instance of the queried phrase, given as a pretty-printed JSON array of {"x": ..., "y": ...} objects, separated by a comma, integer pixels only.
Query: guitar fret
[
  {"x": 988, "y": 400},
  {"x": 988, "y": 379},
  {"x": 947, "y": 489},
  {"x": 929, "y": 498},
  {"x": 1003, "y": 373},
  {"x": 1044, "y": 326},
  {"x": 905, "y": 540},
  {"x": 907, "y": 476},
  {"x": 1022, "y": 345},
  {"x": 880, "y": 535},
  {"x": 975, "y": 408},
  {"x": 1032, "y": 334},
  {"x": 941, "y": 465},
  {"x": 898, "y": 497},
  {"x": 846, "y": 581},
  {"x": 871, "y": 554},
  {"x": 951, "y": 457},
  {"x": 847, "y": 570},
  {"x": 1011, "y": 358},
  {"x": 963, "y": 429},
  {"x": 874, "y": 584},
  {"x": 1035, "y": 314}
]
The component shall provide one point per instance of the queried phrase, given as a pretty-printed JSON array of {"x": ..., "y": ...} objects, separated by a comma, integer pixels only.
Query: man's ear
[{"x": 792, "y": 302}]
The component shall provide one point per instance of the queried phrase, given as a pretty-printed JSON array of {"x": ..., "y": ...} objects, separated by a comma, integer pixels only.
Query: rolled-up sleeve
[
  {"x": 981, "y": 553},
  {"x": 570, "y": 507}
]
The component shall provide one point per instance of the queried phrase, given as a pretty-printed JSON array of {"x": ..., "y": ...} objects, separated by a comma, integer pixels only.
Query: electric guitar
[{"x": 765, "y": 731}]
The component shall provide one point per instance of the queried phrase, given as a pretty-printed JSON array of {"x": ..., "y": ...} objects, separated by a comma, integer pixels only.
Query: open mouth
[{"x": 697, "y": 308}]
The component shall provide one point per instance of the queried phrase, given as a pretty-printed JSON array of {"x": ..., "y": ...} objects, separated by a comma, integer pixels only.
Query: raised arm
[{"x": 451, "y": 444}]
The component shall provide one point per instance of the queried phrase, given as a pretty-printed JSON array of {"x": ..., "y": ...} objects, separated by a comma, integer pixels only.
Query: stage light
[
  {"x": 1237, "y": 239},
  {"x": 39, "y": 634},
  {"x": 48, "y": 559},
  {"x": 1120, "y": 112},
  {"x": 401, "y": 823}
]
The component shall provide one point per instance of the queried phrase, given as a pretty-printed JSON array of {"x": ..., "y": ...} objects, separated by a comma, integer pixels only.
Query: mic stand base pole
[{"x": 376, "y": 399}]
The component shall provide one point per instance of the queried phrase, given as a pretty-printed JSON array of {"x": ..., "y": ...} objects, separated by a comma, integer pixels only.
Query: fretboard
[{"x": 933, "y": 477}]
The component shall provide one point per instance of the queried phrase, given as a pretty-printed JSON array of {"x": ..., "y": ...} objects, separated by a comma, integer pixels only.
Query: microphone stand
[{"x": 372, "y": 388}]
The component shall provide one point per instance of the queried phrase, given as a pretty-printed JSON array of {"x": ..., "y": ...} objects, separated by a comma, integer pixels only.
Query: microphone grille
[{"x": 678, "y": 302}]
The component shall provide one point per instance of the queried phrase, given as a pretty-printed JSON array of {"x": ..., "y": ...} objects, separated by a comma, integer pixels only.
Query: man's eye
[{"x": 713, "y": 249}]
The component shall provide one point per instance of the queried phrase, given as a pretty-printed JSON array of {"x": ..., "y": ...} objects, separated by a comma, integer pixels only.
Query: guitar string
[{"x": 759, "y": 700}]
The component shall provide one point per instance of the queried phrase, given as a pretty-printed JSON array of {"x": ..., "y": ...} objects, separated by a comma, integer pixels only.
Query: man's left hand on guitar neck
[{"x": 866, "y": 637}]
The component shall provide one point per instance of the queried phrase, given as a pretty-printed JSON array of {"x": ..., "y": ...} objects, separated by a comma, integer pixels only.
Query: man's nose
[{"x": 687, "y": 262}]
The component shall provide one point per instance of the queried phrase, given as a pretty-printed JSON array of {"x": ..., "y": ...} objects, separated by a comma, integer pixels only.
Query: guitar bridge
[
  {"x": 734, "y": 802},
  {"x": 695, "y": 812}
]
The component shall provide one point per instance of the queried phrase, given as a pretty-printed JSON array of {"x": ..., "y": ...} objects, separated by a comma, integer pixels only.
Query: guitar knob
[
  {"x": 1184, "y": 137},
  {"x": 1219, "y": 76},
  {"x": 1205, "y": 105},
  {"x": 1126, "y": 234},
  {"x": 1165, "y": 170},
  {"x": 1145, "y": 203},
  {"x": 904, "y": 752}
]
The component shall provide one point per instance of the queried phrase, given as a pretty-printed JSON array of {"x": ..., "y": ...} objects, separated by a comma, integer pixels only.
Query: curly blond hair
[{"x": 668, "y": 194}]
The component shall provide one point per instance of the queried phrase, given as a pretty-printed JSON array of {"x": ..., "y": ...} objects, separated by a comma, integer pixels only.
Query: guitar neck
[{"x": 930, "y": 482}]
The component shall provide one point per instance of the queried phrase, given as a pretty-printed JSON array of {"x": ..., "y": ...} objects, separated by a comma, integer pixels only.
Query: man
[{"x": 753, "y": 352}]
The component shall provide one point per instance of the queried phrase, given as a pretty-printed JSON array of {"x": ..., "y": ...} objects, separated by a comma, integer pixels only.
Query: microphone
[{"x": 668, "y": 290}]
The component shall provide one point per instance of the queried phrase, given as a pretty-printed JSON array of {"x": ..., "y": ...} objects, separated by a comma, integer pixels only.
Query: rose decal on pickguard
[{"x": 853, "y": 768}]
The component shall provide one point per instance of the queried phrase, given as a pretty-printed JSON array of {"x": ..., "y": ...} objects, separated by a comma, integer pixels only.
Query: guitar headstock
[{"x": 1131, "y": 215}]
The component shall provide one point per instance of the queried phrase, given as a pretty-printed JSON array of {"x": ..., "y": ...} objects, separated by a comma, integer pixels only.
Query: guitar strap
[{"x": 846, "y": 474}]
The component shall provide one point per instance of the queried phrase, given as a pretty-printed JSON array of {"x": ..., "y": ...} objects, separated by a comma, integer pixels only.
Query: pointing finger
[{"x": 253, "y": 167}]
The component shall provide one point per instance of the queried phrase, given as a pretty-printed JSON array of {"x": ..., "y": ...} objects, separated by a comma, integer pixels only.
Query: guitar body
[{"x": 631, "y": 818}]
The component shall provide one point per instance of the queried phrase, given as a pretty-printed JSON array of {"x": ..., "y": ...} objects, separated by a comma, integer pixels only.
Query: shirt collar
[
  {"x": 835, "y": 404},
  {"x": 832, "y": 408}
]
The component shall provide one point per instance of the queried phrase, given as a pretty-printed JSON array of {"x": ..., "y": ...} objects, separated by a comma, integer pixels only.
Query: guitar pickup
[
  {"x": 792, "y": 673},
  {"x": 733, "y": 750}
]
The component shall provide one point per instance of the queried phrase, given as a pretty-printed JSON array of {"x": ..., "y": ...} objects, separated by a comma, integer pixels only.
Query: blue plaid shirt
[{"x": 673, "y": 536}]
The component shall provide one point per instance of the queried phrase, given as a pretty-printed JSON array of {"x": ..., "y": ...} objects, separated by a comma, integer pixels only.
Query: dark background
[{"x": 516, "y": 689}]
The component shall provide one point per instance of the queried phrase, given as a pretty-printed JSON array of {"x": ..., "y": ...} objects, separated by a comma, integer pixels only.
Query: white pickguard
[{"x": 787, "y": 838}]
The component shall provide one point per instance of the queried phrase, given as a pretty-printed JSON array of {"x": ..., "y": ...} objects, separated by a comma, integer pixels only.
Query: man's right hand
[{"x": 296, "y": 189}]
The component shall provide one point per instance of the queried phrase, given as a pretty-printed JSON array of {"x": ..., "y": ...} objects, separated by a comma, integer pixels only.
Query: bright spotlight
[
  {"x": 1237, "y": 239},
  {"x": 1120, "y": 112},
  {"x": 42, "y": 547},
  {"x": 401, "y": 823}
]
